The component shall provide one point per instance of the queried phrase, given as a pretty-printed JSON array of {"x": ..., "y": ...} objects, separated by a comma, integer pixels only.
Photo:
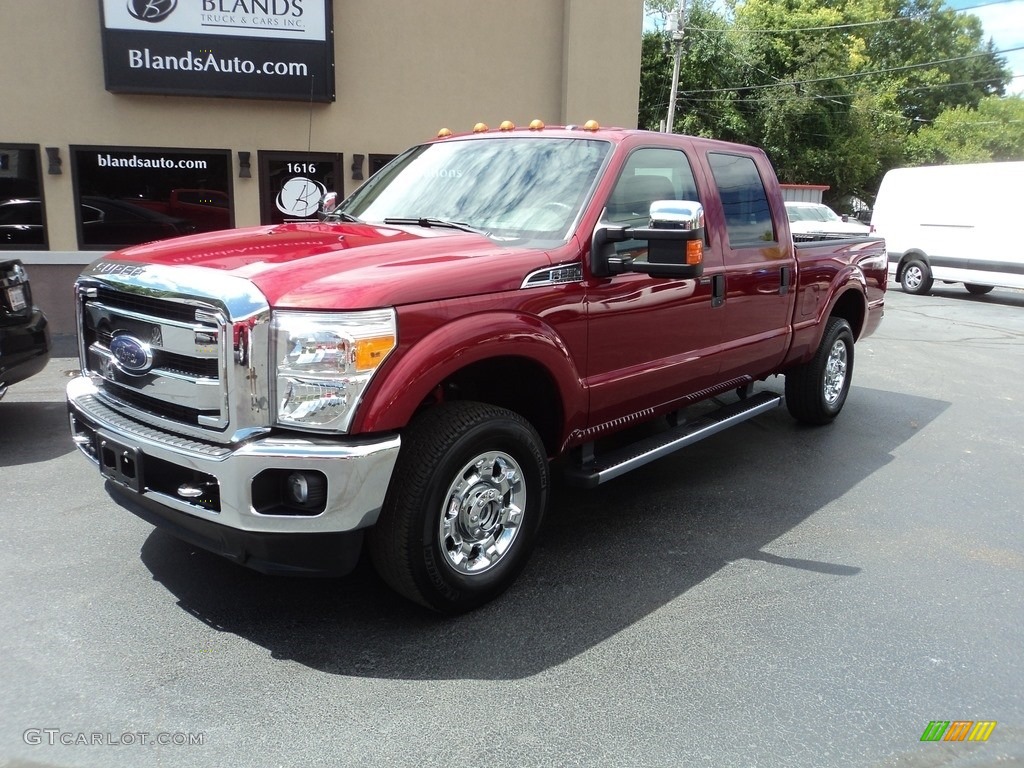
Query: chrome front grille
[
  {"x": 183, "y": 382},
  {"x": 147, "y": 305},
  {"x": 175, "y": 358}
]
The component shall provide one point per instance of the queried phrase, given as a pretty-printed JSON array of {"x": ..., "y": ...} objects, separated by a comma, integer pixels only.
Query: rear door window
[{"x": 748, "y": 218}]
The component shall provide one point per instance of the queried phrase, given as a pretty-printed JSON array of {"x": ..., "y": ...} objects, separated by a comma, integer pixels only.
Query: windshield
[
  {"x": 524, "y": 190},
  {"x": 811, "y": 213},
  {"x": 827, "y": 214}
]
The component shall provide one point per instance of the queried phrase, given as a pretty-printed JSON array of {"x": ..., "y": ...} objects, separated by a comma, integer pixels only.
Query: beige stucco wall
[
  {"x": 52, "y": 286},
  {"x": 403, "y": 70}
]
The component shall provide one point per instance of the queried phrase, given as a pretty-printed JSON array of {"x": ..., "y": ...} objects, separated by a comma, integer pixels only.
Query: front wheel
[
  {"x": 816, "y": 391},
  {"x": 463, "y": 508},
  {"x": 916, "y": 277},
  {"x": 977, "y": 290}
]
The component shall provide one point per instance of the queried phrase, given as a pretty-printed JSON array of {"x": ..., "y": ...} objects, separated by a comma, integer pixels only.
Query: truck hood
[{"x": 350, "y": 266}]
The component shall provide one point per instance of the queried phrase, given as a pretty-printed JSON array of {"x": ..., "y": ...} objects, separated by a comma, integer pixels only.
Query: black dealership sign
[{"x": 255, "y": 49}]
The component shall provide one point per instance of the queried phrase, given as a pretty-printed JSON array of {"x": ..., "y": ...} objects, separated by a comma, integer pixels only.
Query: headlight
[{"x": 325, "y": 362}]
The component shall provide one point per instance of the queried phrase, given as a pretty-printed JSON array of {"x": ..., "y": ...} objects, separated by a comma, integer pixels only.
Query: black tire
[
  {"x": 816, "y": 391},
  {"x": 977, "y": 290},
  {"x": 916, "y": 277},
  {"x": 428, "y": 545}
]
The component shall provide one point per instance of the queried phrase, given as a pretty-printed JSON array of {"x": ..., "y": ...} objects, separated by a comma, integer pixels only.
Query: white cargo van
[{"x": 953, "y": 223}]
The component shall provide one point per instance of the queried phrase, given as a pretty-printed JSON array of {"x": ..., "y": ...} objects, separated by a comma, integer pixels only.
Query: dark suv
[{"x": 24, "y": 337}]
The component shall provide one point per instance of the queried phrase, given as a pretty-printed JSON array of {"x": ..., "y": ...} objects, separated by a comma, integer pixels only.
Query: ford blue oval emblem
[{"x": 131, "y": 355}]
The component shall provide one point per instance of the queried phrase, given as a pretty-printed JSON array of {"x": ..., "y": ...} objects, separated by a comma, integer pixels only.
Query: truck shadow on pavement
[
  {"x": 606, "y": 558},
  {"x": 31, "y": 432}
]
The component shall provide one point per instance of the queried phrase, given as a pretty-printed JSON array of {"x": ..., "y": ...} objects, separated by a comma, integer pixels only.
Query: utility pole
[{"x": 675, "y": 24}]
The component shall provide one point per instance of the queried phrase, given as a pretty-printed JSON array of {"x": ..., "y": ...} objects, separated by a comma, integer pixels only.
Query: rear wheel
[
  {"x": 977, "y": 290},
  {"x": 916, "y": 277},
  {"x": 463, "y": 508},
  {"x": 816, "y": 391}
]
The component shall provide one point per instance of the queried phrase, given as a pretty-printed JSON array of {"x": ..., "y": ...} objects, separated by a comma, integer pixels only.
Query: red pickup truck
[{"x": 402, "y": 373}]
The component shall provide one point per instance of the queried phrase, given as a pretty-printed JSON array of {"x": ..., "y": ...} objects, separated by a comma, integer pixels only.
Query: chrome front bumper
[{"x": 357, "y": 471}]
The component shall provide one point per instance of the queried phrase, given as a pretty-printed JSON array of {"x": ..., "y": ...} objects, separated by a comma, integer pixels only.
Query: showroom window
[
  {"x": 379, "y": 161},
  {"x": 293, "y": 183},
  {"x": 130, "y": 195},
  {"x": 22, "y": 212}
]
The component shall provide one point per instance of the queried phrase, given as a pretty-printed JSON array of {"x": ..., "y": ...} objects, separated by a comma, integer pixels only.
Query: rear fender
[{"x": 849, "y": 300}]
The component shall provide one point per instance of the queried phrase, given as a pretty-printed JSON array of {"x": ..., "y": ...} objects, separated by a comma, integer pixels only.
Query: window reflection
[
  {"x": 22, "y": 217},
  {"x": 514, "y": 189},
  {"x": 127, "y": 196},
  {"x": 748, "y": 219}
]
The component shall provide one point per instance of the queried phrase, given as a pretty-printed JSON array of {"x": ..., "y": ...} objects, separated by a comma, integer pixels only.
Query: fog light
[
  {"x": 300, "y": 492},
  {"x": 307, "y": 489}
]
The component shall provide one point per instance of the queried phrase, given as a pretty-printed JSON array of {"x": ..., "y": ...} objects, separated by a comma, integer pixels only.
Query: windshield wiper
[
  {"x": 342, "y": 216},
  {"x": 429, "y": 222}
]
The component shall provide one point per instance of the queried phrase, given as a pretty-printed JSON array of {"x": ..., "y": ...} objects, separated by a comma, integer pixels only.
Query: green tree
[
  {"x": 814, "y": 115},
  {"x": 936, "y": 57},
  {"x": 994, "y": 131},
  {"x": 831, "y": 89},
  {"x": 709, "y": 61}
]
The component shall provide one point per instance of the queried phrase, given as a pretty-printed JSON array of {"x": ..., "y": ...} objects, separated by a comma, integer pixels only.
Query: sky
[{"x": 1004, "y": 23}]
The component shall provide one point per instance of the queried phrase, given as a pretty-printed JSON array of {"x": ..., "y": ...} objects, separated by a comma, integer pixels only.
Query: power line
[
  {"x": 857, "y": 74},
  {"x": 850, "y": 25},
  {"x": 690, "y": 96},
  {"x": 835, "y": 96}
]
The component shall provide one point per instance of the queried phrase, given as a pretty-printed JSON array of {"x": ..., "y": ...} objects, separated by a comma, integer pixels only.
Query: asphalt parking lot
[{"x": 774, "y": 596}]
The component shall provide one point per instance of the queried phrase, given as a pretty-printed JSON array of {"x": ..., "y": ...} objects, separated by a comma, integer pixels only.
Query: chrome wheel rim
[
  {"x": 483, "y": 510},
  {"x": 835, "y": 372},
  {"x": 913, "y": 278}
]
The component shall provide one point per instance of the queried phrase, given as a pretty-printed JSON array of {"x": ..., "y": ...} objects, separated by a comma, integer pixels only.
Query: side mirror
[
  {"x": 327, "y": 204},
  {"x": 675, "y": 243},
  {"x": 677, "y": 214}
]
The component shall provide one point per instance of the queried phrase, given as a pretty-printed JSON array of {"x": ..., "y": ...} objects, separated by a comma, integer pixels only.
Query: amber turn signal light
[{"x": 694, "y": 252}]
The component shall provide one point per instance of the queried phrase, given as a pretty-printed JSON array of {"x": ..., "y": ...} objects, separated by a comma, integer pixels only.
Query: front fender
[{"x": 400, "y": 388}]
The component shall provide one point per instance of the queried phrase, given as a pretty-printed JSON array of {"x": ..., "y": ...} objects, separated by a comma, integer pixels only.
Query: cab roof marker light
[
  {"x": 444, "y": 133},
  {"x": 591, "y": 125},
  {"x": 480, "y": 128},
  {"x": 536, "y": 125},
  {"x": 507, "y": 125}
]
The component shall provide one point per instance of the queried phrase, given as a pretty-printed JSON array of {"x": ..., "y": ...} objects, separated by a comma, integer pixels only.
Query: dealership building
[{"x": 124, "y": 121}]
